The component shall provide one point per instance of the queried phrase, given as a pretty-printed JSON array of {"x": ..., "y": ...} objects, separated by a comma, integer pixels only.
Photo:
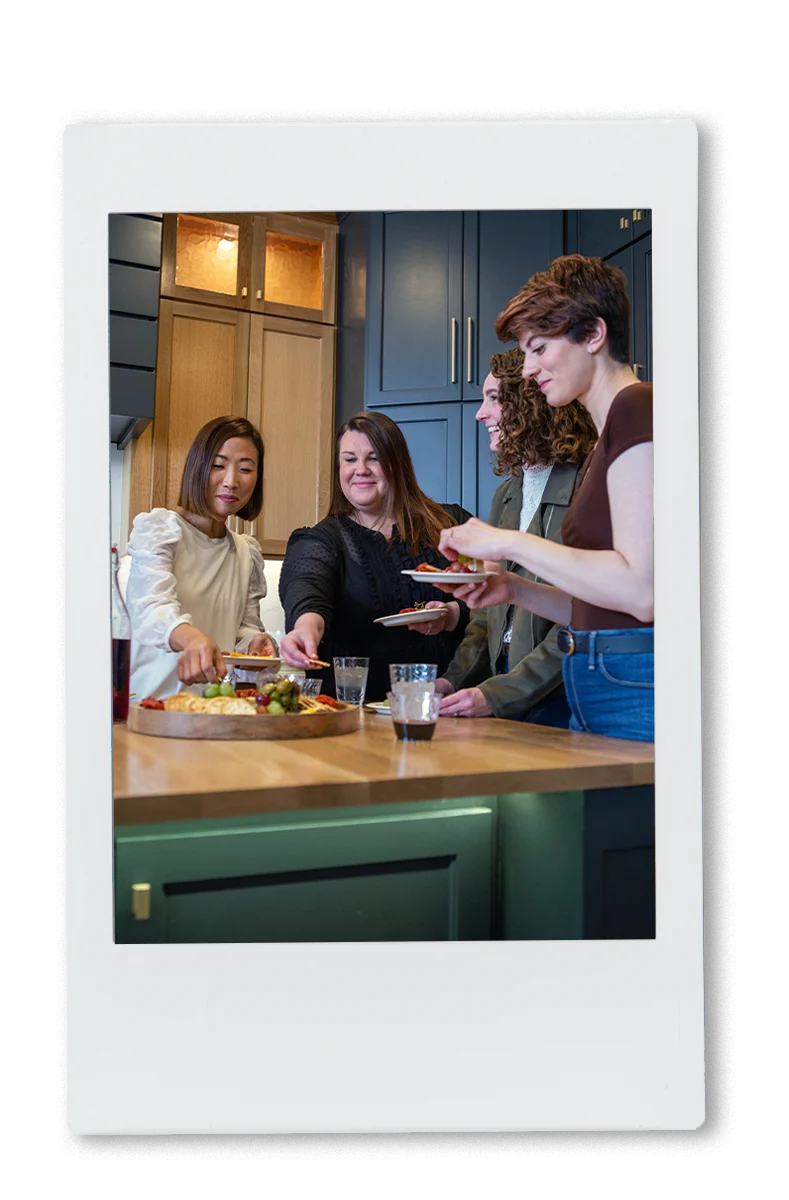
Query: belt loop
[{"x": 592, "y": 649}]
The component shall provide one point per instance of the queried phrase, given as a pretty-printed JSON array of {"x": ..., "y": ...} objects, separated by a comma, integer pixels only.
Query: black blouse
[{"x": 348, "y": 575}]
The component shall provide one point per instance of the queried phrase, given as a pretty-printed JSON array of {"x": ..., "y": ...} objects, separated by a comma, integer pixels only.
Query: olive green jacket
[{"x": 534, "y": 658}]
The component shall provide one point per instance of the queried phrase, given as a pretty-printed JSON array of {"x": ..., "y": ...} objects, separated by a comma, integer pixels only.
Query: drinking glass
[
  {"x": 414, "y": 714},
  {"x": 350, "y": 679},
  {"x": 413, "y": 677}
]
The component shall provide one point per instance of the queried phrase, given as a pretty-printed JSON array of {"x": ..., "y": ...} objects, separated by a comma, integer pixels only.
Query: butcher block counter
[
  {"x": 495, "y": 829},
  {"x": 164, "y": 779}
]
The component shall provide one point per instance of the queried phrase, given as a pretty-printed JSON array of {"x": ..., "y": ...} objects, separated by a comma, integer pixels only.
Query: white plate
[
  {"x": 383, "y": 708},
  {"x": 251, "y": 662},
  {"x": 448, "y": 576},
  {"x": 412, "y": 618}
]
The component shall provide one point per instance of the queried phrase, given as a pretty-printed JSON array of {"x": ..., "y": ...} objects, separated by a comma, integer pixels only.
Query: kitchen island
[{"x": 493, "y": 829}]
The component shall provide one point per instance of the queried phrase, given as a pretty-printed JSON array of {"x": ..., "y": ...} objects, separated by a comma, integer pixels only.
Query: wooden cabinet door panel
[
  {"x": 423, "y": 875},
  {"x": 291, "y": 400},
  {"x": 202, "y": 373},
  {"x": 241, "y": 225},
  {"x": 294, "y": 267}
]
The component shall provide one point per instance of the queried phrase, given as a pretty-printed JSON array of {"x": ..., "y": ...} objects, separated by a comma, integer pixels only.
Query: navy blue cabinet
[
  {"x": 414, "y": 307},
  {"x": 434, "y": 436},
  {"x": 134, "y": 243},
  {"x": 501, "y": 251},
  {"x": 619, "y": 863},
  {"x": 601, "y": 232},
  {"x": 641, "y": 301}
]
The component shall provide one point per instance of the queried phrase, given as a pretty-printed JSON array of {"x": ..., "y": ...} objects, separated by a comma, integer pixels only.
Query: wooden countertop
[{"x": 164, "y": 779}]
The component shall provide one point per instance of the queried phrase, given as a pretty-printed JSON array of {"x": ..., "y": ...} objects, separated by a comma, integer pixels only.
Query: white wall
[{"x": 271, "y": 611}]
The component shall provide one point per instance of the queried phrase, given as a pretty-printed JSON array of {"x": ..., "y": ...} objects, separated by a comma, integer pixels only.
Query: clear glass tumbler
[
  {"x": 350, "y": 679},
  {"x": 413, "y": 677}
]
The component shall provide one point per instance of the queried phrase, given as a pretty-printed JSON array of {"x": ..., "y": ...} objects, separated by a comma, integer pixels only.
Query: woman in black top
[{"x": 346, "y": 571}]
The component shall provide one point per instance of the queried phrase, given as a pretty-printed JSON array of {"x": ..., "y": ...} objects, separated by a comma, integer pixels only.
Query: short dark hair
[
  {"x": 567, "y": 300},
  {"x": 200, "y": 459}
]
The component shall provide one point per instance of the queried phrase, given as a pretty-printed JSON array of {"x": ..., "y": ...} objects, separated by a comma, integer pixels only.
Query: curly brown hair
[{"x": 531, "y": 433}]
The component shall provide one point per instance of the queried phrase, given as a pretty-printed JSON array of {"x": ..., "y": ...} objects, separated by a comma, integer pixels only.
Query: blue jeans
[{"x": 612, "y": 694}]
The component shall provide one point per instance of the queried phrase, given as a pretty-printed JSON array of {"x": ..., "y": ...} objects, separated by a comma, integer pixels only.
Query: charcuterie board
[{"x": 227, "y": 727}]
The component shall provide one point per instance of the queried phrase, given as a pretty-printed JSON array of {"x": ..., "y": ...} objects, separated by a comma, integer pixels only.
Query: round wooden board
[{"x": 217, "y": 727}]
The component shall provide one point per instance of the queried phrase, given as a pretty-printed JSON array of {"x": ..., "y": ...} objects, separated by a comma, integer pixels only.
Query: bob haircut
[
  {"x": 531, "y": 433},
  {"x": 567, "y": 300},
  {"x": 200, "y": 459},
  {"x": 418, "y": 519}
]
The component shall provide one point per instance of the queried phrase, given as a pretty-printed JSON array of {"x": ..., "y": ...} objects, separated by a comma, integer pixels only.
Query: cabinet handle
[
  {"x": 454, "y": 350},
  {"x": 636, "y": 368},
  {"x": 258, "y": 294},
  {"x": 636, "y": 214},
  {"x": 469, "y": 356},
  {"x": 141, "y": 901},
  {"x": 623, "y": 222},
  {"x": 243, "y": 291}
]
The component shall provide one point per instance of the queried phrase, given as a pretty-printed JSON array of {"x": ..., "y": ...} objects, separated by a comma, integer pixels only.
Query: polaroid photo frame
[{"x": 349, "y": 1037}]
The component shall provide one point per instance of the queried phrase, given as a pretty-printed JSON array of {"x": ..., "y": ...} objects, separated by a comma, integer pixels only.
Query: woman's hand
[
  {"x": 476, "y": 540},
  {"x": 201, "y": 659},
  {"x": 262, "y": 644},
  {"x": 447, "y": 620},
  {"x": 300, "y": 647},
  {"x": 468, "y": 702}
]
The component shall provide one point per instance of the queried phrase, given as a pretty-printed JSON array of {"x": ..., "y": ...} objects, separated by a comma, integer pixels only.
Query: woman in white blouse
[{"x": 194, "y": 586}]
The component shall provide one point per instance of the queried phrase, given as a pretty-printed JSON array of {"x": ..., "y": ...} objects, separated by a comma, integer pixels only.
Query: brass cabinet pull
[
  {"x": 637, "y": 214},
  {"x": 141, "y": 901},
  {"x": 636, "y": 368},
  {"x": 243, "y": 291},
  {"x": 623, "y": 222},
  {"x": 454, "y": 350},
  {"x": 469, "y": 335},
  {"x": 258, "y": 294}
]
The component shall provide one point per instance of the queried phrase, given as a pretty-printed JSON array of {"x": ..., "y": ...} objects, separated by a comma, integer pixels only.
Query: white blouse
[{"x": 179, "y": 575}]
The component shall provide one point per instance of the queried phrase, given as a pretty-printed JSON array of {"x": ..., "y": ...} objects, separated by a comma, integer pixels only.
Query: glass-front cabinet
[{"x": 281, "y": 264}]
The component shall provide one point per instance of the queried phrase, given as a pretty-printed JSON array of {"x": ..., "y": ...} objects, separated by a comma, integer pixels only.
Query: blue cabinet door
[
  {"x": 601, "y": 232},
  {"x": 414, "y": 307},
  {"x": 501, "y": 251},
  {"x": 434, "y": 437},
  {"x": 479, "y": 482},
  {"x": 641, "y": 300}
]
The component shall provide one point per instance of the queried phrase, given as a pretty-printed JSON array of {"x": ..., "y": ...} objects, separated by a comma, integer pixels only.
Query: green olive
[
  {"x": 284, "y": 686},
  {"x": 268, "y": 688}
]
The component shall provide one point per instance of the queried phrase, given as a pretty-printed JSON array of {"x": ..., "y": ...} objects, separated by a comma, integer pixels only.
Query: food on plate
[
  {"x": 238, "y": 654},
  {"x": 416, "y": 607},
  {"x": 272, "y": 699},
  {"x": 462, "y": 565}
]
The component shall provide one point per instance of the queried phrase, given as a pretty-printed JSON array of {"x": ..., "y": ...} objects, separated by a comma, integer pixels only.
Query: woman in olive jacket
[{"x": 508, "y": 664}]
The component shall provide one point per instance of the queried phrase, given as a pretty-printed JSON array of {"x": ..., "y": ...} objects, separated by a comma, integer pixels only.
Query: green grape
[
  {"x": 284, "y": 686},
  {"x": 226, "y": 689},
  {"x": 210, "y": 690},
  {"x": 275, "y": 708}
]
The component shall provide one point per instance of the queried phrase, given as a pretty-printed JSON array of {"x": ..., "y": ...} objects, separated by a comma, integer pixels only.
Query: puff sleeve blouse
[{"x": 180, "y": 575}]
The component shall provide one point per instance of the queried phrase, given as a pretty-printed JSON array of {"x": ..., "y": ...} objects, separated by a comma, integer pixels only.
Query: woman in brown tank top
[{"x": 573, "y": 324}]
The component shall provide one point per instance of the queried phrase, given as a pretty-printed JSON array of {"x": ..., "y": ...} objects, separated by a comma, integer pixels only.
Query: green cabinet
[{"x": 416, "y": 872}]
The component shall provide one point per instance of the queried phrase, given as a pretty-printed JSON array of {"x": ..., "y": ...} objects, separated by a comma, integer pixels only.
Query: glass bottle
[{"x": 121, "y": 646}]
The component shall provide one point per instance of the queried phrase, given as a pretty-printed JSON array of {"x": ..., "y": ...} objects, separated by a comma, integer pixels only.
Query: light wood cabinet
[
  {"x": 277, "y": 372},
  {"x": 280, "y": 264}
]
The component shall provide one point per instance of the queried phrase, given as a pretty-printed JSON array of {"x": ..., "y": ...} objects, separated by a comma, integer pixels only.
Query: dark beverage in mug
[
  {"x": 121, "y": 656},
  {"x": 414, "y": 731}
]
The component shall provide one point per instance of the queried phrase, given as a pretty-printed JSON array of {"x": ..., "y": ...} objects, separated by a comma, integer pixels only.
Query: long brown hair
[
  {"x": 531, "y": 433},
  {"x": 200, "y": 458},
  {"x": 567, "y": 300},
  {"x": 418, "y": 519}
]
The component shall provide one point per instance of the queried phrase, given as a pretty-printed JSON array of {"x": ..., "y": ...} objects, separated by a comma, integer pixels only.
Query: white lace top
[{"x": 177, "y": 575}]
